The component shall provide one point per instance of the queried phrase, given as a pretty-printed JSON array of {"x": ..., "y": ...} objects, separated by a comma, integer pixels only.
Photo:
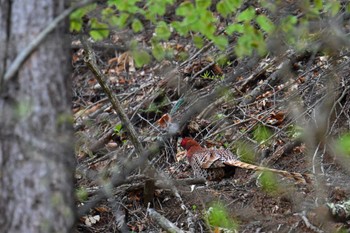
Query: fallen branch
[
  {"x": 163, "y": 222},
  {"x": 99, "y": 144},
  {"x": 270, "y": 82},
  {"x": 90, "y": 61},
  {"x": 308, "y": 224}
]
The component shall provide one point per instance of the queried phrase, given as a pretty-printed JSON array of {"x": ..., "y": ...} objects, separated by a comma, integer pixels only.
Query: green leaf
[
  {"x": 335, "y": 7},
  {"x": 221, "y": 42},
  {"x": 107, "y": 12},
  {"x": 113, "y": 20},
  {"x": 265, "y": 23},
  {"x": 109, "y": 15},
  {"x": 207, "y": 17},
  {"x": 126, "y": 5},
  {"x": 75, "y": 25},
  {"x": 158, "y": 52},
  {"x": 122, "y": 19},
  {"x": 198, "y": 41},
  {"x": 222, "y": 9},
  {"x": 208, "y": 30},
  {"x": 235, "y": 28},
  {"x": 136, "y": 25},
  {"x": 76, "y": 17},
  {"x": 222, "y": 60},
  {"x": 203, "y": 4},
  {"x": 191, "y": 21},
  {"x": 162, "y": 31},
  {"x": 343, "y": 144},
  {"x": 244, "y": 46},
  {"x": 318, "y": 4},
  {"x": 288, "y": 23},
  {"x": 235, "y": 3},
  {"x": 185, "y": 9},
  {"x": 99, "y": 31},
  {"x": 155, "y": 8},
  {"x": 226, "y": 7},
  {"x": 246, "y": 15},
  {"x": 118, "y": 128},
  {"x": 251, "y": 40},
  {"x": 180, "y": 28},
  {"x": 79, "y": 13},
  {"x": 133, "y": 45},
  {"x": 259, "y": 43},
  {"x": 141, "y": 57},
  {"x": 182, "y": 56}
]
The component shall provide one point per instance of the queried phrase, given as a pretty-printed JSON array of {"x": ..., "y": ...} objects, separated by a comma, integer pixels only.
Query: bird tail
[{"x": 298, "y": 177}]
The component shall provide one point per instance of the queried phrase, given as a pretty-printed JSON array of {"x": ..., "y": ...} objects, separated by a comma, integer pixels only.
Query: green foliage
[
  {"x": 268, "y": 182},
  {"x": 220, "y": 41},
  {"x": 343, "y": 144},
  {"x": 82, "y": 194},
  {"x": 162, "y": 31},
  {"x": 137, "y": 25},
  {"x": 265, "y": 23},
  {"x": 218, "y": 216},
  {"x": 108, "y": 16},
  {"x": 332, "y": 6},
  {"x": 158, "y": 51},
  {"x": 156, "y": 8},
  {"x": 245, "y": 151},
  {"x": 194, "y": 207},
  {"x": 262, "y": 134},
  {"x": 98, "y": 30},
  {"x": 76, "y": 18},
  {"x": 198, "y": 41},
  {"x": 239, "y": 28},
  {"x": 227, "y": 7},
  {"x": 118, "y": 128},
  {"x": 197, "y": 19},
  {"x": 126, "y": 6},
  {"x": 342, "y": 230},
  {"x": 141, "y": 57},
  {"x": 246, "y": 16},
  {"x": 208, "y": 75}
]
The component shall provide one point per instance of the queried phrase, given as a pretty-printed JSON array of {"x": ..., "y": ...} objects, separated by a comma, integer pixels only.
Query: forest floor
[{"x": 298, "y": 112}]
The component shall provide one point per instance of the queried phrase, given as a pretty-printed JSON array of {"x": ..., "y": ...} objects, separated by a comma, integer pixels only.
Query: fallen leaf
[{"x": 164, "y": 121}]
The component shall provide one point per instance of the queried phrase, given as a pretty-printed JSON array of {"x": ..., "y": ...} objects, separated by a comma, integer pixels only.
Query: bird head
[{"x": 187, "y": 143}]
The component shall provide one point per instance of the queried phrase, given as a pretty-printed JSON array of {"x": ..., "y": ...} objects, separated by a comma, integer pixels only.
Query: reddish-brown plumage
[
  {"x": 216, "y": 164},
  {"x": 206, "y": 163}
]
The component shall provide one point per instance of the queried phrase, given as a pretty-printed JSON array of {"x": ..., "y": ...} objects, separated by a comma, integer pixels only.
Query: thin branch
[
  {"x": 90, "y": 61},
  {"x": 163, "y": 222}
]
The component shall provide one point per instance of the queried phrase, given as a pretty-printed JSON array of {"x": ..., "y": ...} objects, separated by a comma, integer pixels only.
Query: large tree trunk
[{"x": 36, "y": 156}]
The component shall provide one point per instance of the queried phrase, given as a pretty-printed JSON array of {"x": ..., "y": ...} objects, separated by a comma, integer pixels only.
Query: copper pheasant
[{"x": 216, "y": 164}]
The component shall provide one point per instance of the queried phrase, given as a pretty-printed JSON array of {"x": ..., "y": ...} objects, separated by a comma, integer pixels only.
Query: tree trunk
[{"x": 36, "y": 156}]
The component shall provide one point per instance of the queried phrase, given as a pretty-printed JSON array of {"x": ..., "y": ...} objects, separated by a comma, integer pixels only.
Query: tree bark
[{"x": 36, "y": 156}]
